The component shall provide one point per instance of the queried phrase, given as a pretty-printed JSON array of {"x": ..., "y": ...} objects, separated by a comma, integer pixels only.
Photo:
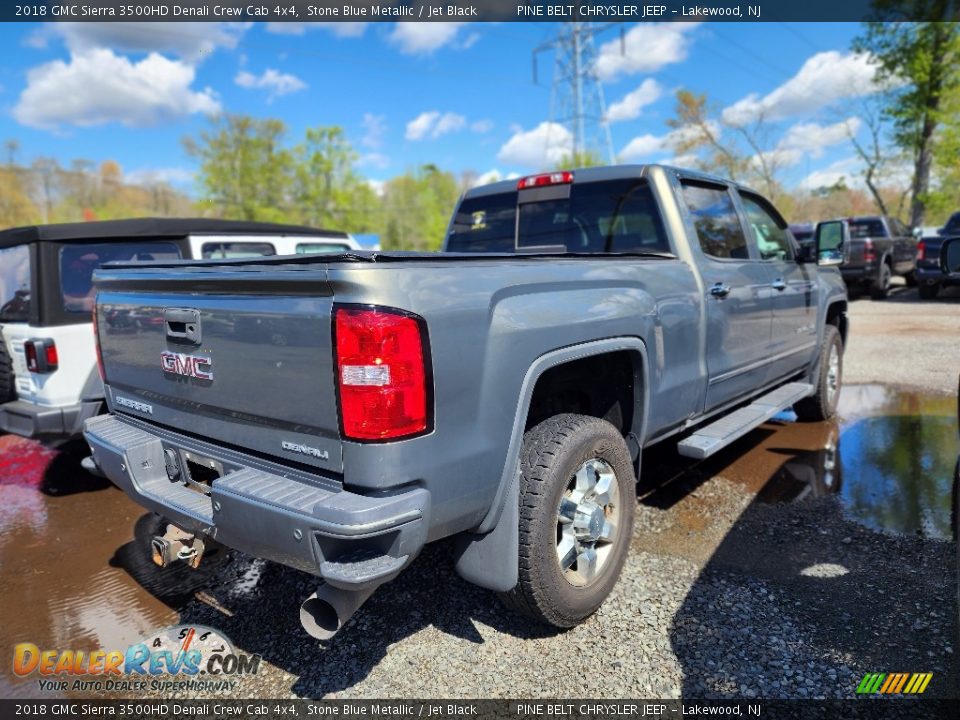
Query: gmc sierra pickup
[{"x": 336, "y": 413}]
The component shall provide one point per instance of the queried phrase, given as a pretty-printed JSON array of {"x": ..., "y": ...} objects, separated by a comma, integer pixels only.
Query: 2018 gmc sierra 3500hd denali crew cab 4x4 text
[{"x": 336, "y": 413}]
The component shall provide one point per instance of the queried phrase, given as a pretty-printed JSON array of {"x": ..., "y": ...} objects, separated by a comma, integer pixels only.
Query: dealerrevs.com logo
[{"x": 184, "y": 657}]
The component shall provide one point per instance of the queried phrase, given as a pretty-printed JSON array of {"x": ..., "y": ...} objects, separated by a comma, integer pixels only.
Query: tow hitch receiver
[{"x": 177, "y": 544}]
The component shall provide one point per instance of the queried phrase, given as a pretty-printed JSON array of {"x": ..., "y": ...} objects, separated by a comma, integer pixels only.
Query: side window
[
  {"x": 718, "y": 227},
  {"x": 769, "y": 229},
  {"x": 211, "y": 250}
]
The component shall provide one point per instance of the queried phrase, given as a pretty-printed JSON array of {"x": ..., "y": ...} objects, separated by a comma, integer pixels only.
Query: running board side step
[{"x": 717, "y": 435}]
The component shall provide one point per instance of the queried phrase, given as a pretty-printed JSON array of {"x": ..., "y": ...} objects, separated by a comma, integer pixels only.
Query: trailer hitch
[{"x": 177, "y": 544}]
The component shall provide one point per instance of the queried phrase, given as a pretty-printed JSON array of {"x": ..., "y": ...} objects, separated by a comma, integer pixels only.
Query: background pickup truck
[
  {"x": 336, "y": 413},
  {"x": 880, "y": 247}
]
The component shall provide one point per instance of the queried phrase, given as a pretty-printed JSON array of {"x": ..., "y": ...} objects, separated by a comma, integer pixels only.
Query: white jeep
[{"x": 49, "y": 382}]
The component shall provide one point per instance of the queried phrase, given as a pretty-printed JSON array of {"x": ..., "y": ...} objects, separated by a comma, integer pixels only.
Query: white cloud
[
  {"x": 375, "y": 127},
  {"x": 824, "y": 79},
  {"x": 276, "y": 83},
  {"x": 544, "y": 146},
  {"x": 646, "y": 48},
  {"x": 375, "y": 160},
  {"x": 188, "y": 40},
  {"x": 433, "y": 123},
  {"x": 149, "y": 176},
  {"x": 339, "y": 29},
  {"x": 492, "y": 176},
  {"x": 647, "y": 146},
  {"x": 424, "y": 38},
  {"x": 847, "y": 169},
  {"x": 481, "y": 126},
  {"x": 97, "y": 87},
  {"x": 812, "y": 138},
  {"x": 633, "y": 102},
  {"x": 378, "y": 187}
]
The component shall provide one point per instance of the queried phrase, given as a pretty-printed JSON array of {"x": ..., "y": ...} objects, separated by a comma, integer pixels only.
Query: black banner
[
  {"x": 479, "y": 11},
  {"x": 213, "y": 709}
]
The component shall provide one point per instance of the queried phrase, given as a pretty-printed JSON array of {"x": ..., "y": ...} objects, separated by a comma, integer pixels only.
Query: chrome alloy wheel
[
  {"x": 587, "y": 521},
  {"x": 833, "y": 374}
]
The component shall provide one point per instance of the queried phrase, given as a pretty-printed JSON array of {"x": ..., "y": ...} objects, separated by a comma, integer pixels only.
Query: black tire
[
  {"x": 928, "y": 291},
  {"x": 7, "y": 387},
  {"x": 881, "y": 286},
  {"x": 552, "y": 453},
  {"x": 911, "y": 278},
  {"x": 822, "y": 405}
]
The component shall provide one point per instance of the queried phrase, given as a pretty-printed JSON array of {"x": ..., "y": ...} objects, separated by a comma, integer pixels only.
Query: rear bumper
[
  {"x": 935, "y": 276},
  {"x": 863, "y": 274},
  {"x": 46, "y": 422},
  {"x": 264, "y": 509}
]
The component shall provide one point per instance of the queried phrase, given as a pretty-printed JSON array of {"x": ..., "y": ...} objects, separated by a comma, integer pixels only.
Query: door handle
[
  {"x": 778, "y": 284},
  {"x": 183, "y": 325},
  {"x": 720, "y": 290}
]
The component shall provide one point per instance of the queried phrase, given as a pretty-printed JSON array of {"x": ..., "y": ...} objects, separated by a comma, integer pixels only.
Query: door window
[
  {"x": 715, "y": 218},
  {"x": 769, "y": 229},
  {"x": 14, "y": 283}
]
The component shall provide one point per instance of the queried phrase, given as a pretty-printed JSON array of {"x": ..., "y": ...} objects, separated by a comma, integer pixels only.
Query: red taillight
[
  {"x": 96, "y": 344},
  {"x": 921, "y": 250},
  {"x": 534, "y": 181},
  {"x": 868, "y": 254},
  {"x": 381, "y": 373},
  {"x": 41, "y": 355}
]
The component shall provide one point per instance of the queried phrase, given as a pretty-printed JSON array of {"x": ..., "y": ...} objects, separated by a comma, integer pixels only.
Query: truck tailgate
[{"x": 229, "y": 363}]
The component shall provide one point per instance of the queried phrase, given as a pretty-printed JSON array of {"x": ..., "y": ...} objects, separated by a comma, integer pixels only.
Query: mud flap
[{"x": 491, "y": 560}]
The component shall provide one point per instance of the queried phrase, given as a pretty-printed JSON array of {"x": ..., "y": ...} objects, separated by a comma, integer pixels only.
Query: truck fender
[{"x": 489, "y": 556}]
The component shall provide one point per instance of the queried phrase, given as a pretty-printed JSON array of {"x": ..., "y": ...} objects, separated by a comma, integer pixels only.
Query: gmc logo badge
[{"x": 195, "y": 366}]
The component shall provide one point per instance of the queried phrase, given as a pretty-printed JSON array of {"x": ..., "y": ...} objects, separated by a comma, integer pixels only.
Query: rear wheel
[
  {"x": 881, "y": 287},
  {"x": 911, "y": 278},
  {"x": 928, "y": 291},
  {"x": 7, "y": 388},
  {"x": 577, "y": 497},
  {"x": 822, "y": 405}
]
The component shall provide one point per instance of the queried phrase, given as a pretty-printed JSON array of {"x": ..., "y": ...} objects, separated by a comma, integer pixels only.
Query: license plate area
[{"x": 200, "y": 471}]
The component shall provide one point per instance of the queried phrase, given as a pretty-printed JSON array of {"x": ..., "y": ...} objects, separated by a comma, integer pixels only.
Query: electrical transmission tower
[{"x": 576, "y": 98}]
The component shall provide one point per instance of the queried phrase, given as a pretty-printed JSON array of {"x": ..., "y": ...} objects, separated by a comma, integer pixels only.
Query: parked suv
[{"x": 48, "y": 379}]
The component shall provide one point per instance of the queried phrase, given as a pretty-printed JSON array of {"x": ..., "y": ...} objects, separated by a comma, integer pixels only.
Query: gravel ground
[
  {"x": 724, "y": 595},
  {"x": 905, "y": 341}
]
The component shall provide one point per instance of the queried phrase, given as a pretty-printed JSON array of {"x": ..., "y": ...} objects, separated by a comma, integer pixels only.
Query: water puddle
[
  {"x": 76, "y": 571},
  {"x": 890, "y": 460}
]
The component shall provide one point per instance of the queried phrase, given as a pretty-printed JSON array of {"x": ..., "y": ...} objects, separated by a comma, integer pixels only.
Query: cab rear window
[
  {"x": 216, "y": 250},
  {"x": 77, "y": 263},
  {"x": 320, "y": 248},
  {"x": 14, "y": 283},
  {"x": 614, "y": 216}
]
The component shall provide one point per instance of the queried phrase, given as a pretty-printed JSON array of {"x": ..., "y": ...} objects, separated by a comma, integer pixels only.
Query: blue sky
[{"x": 457, "y": 95}]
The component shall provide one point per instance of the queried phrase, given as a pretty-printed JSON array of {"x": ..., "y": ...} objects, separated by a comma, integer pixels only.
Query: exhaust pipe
[{"x": 329, "y": 608}]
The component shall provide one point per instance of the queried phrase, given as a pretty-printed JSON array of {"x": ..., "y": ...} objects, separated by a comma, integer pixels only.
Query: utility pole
[{"x": 576, "y": 96}]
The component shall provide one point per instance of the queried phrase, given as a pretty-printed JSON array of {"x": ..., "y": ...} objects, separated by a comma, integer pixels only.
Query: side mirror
[
  {"x": 832, "y": 240},
  {"x": 950, "y": 256}
]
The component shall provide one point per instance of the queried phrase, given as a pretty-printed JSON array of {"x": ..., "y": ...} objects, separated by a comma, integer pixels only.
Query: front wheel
[
  {"x": 577, "y": 498},
  {"x": 822, "y": 405}
]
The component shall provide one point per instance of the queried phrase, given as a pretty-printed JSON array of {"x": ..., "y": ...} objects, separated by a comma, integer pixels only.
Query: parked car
[
  {"x": 881, "y": 247},
  {"x": 499, "y": 393},
  {"x": 930, "y": 277},
  {"x": 48, "y": 379},
  {"x": 803, "y": 233}
]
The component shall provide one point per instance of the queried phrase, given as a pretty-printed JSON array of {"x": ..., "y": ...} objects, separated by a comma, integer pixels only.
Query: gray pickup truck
[
  {"x": 336, "y": 413},
  {"x": 880, "y": 248}
]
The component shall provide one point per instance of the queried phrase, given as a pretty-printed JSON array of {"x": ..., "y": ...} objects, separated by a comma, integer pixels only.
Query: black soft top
[{"x": 145, "y": 228}]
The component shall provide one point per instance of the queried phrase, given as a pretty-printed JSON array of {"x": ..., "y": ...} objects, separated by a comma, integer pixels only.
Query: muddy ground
[{"x": 789, "y": 565}]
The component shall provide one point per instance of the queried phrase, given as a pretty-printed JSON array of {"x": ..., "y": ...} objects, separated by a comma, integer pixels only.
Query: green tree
[
  {"x": 327, "y": 190},
  {"x": 581, "y": 159},
  {"x": 245, "y": 170},
  {"x": 920, "y": 64},
  {"x": 417, "y": 208}
]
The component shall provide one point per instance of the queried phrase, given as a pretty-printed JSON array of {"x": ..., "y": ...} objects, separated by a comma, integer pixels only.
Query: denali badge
[
  {"x": 195, "y": 366},
  {"x": 133, "y": 404},
  {"x": 305, "y": 450}
]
